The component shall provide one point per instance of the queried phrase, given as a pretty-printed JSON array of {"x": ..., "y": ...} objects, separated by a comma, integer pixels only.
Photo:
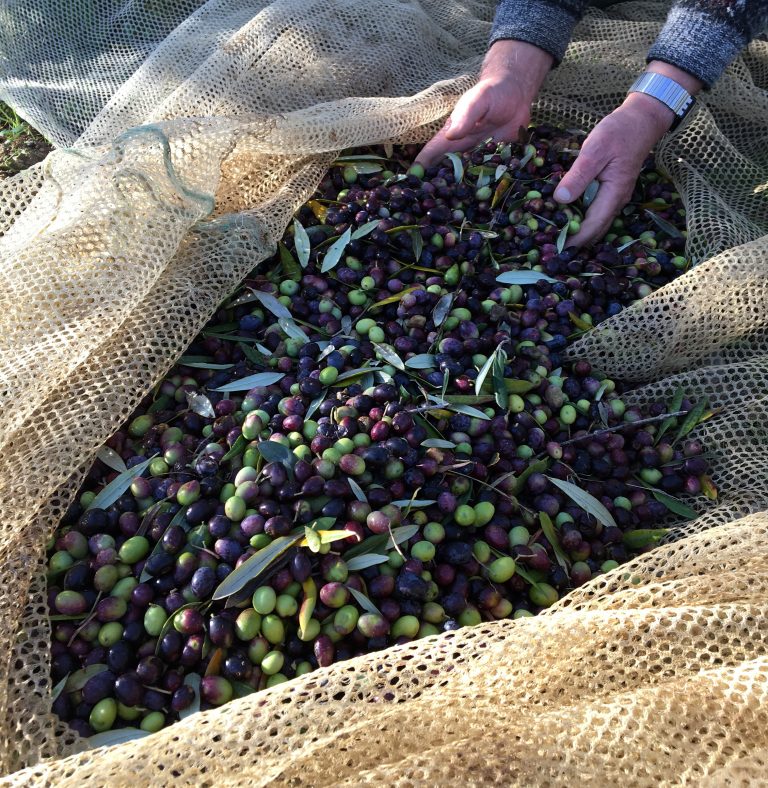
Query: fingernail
[{"x": 562, "y": 194}]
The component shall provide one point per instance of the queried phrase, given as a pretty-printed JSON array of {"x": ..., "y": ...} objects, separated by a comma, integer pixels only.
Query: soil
[{"x": 21, "y": 150}]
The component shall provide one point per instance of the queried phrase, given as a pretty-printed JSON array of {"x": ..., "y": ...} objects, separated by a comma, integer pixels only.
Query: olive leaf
[
  {"x": 268, "y": 301},
  {"x": 642, "y": 537},
  {"x": 169, "y": 623},
  {"x": 370, "y": 545},
  {"x": 257, "y": 565},
  {"x": 111, "y": 459},
  {"x": 292, "y": 330},
  {"x": 301, "y": 242},
  {"x": 177, "y": 519},
  {"x": 272, "y": 451},
  {"x": 601, "y": 391},
  {"x": 192, "y": 680},
  {"x": 442, "y": 308},
  {"x": 590, "y": 193},
  {"x": 214, "y": 662},
  {"x": 59, "y": 688},
  {"x": 313, "y": 537},
  {"x": 354, "y": 157},
  {"x": 351, "y": 373},
  {"x": 486, "y": 368},
  {"x": 523, "y": 277},
  {"x": 418, "y": 504},
  {"x": 363, "y": 168},
  {"x": 241, "y": 690},
  {"x": 315, "y": 404},
  {"x": 519, "y": 386},
  {"x": 483, "y": 179},
  {"x": 468, "y": 411},
  {"x": 205, "y": 364},
  {"x": 389, "y": 354},
  {"x": 663, "y": 225},
  {"x": 253, "y": 356},
  {"x": 708, "y": 487},
  {"x": 77, "y": 680},
  {"x": 357, "y": 490},
  {"x": 458, "y": 166},
  {"x": 428, "y": 426},
  {"x": 363, "y": 601},
  {"x": 530, "y": 152},
  {"x": 501, "y": 188},
  {"x": 253, "y": 381},
  {"x": 149, "y": 516},
  {"x": 561, "y": 237},
  {"x": 692, "y": 419},
  {"x": 421, "y": 361},
  {"x": 527, "y": 575},
  {"x": 417, "y": 244},
  {"x": 587, "y": 502},
  {"x": 675, "y": 505},
  {"x": 323, "y": 523},
  {"x": 579, "y": 322},
  {"x": 365, "y": 229},
  {"x": 238, "y": 447},
  {"x": 627, "y": 245},
  {"x": 118, "y": 486},
  {"x": 308, "y": 605},
  {"x": 501, "y": 395},
  {"x": 393, "y": 299},
  {"x": 288, "y": 261},
  {"x": 161, "y": 403},
  {"x": 438, "y": 443},
  {"x": 311, "y": 540},
  {"x": 674, "y": 406},
  {"x": 400, "y": 535},
  {"x": 550, "y": 533},
  {"x": 361, "y": 562},
  {"x": 113, "y": 737},
  {"x": 200, "y": 404},
  {"x": 335, "y": 251}
]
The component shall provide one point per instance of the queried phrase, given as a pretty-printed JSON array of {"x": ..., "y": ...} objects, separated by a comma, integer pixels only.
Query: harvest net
[{"x": 189, "y": 132}]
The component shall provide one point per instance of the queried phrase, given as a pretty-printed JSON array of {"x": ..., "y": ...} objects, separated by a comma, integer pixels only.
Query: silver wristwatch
[{"x": 668, "y": 92}]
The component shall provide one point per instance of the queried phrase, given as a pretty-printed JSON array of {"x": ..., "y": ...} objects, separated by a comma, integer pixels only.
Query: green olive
[
  {"x": 103, "y": 715},
  {"x": 272, "y": 663}
]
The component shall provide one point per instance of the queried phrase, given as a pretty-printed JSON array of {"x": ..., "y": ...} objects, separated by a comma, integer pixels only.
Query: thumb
[
  {"x": 470, "y": 110},
  {"x": 584, "y": 170}
]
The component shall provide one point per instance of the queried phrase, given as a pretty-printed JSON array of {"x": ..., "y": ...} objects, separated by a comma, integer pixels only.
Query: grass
[{"x": 20, "y": 145}]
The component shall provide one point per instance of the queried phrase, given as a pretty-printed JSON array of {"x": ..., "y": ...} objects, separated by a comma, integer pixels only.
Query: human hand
[
  {"x": 498, "y": 105},
  {"x": 613, "y": 154}
]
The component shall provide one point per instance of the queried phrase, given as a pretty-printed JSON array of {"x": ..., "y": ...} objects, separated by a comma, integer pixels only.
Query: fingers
[
  {"x": 460, "y": 131},
  {"x": 584, "y": 170},
  {"x": 439, "y": 145},
  {"x": 610, "y": 199},
  {"x": 467, "y": 114}
]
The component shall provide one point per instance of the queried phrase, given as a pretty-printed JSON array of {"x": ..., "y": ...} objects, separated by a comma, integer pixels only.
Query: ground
[{"x": 20, "y": 145}]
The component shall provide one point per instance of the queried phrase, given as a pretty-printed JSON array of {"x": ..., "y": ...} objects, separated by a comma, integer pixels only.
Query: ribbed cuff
[
  {"x": 695, "y": 42},
  {"x": 546, "y": 26}
]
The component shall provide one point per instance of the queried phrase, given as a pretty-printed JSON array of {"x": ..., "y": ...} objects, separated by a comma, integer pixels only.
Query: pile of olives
[{"x": 377, "y": 438}]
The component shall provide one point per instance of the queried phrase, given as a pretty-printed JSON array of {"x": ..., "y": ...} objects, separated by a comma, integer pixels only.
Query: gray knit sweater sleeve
[
  {"x": 703, "y": 36},
  {"x": 700, "y": 36},
  {"x": 548, "y": 24}
]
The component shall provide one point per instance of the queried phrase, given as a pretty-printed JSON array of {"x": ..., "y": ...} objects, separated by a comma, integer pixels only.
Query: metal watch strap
[{"x": 667, "y": 91}]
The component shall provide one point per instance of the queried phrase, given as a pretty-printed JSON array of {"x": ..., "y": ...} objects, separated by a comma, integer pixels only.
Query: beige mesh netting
[{"x": 194, "y": 130}]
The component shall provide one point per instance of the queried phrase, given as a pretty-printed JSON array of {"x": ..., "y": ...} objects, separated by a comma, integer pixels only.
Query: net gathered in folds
[{"x": 187, "y": 133}]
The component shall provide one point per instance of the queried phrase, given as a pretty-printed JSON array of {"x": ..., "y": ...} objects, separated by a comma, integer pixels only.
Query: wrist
[
  {"x": 526, "y": 63},
  {"x": 657, "y": 117},
  {"x": 683, "y": 78}
]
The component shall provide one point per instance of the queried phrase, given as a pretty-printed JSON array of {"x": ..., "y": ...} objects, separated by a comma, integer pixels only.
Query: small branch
[{"x": 625, "y": 425}]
